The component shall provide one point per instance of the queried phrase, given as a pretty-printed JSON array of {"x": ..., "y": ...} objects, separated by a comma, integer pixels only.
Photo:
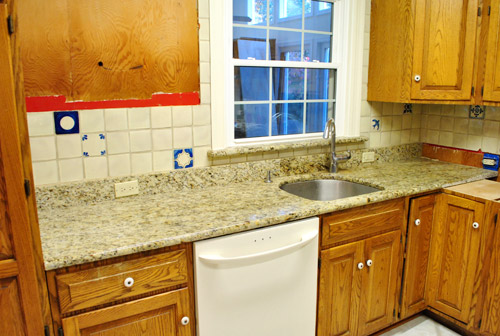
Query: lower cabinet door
[
  {"x": 159, "y": 315},
  {"x": 379, "y": 285},
  {"x": 339, "y": 290}
]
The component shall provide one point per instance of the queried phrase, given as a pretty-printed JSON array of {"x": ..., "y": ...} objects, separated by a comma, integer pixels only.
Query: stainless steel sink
[{"x": 327, "y": 190}]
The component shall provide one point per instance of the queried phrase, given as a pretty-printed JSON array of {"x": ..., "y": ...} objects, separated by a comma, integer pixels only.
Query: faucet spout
[{"x": 330, "y": 132}]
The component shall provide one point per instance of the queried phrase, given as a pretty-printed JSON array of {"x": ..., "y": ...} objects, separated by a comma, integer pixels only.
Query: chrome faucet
[{"x": 330, "y": 132}]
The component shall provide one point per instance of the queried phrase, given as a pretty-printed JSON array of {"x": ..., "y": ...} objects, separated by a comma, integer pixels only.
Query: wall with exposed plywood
[{"x": 91, "y": 50}]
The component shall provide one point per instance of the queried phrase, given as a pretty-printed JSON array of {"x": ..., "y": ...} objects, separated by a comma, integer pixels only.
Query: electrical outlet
[
  {"x": 126, "y": 189},
  {"x": 368, "y": 157}
]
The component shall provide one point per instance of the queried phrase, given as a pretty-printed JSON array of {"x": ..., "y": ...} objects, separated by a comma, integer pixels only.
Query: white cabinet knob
[
  {"x": 360, "y": 266},
  {"x": 417, "y": 78},
  {"x": 417, "y": 222},
  {"x": 369, "y": 262},
  {"x": 129, "y": 282},
  {"x": 475, "y": 225},
  {"x": 185, "y": 320}
]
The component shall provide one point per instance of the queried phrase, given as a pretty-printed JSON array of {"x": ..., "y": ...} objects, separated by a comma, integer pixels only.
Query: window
[{"x": 282, "y": 73}]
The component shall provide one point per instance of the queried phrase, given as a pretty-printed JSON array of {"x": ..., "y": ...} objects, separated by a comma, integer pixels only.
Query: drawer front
[
  {"x": 104, "y": 284},
  {"x": 362, "y": 222}
]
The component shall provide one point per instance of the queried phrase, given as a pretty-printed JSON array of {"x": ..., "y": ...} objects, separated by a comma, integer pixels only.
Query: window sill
[{"x": 275, "y": 147}]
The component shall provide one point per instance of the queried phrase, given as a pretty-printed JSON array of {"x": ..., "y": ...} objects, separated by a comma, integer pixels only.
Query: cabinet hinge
[
  {"x": 319, "y": 263},
  {"x": 46, "y": 331},
  {"x": 482, "y": 91},
  {"x": 496, "y": 219},
  {"x": 10, "y": 24},
  {"x": 489, "y": 10},
  {"x": 479, "y": 324},
  {"x": 60, "y": 332},
  {"x": 479, "y": 11},
  {"x": 394, "y": 312},
  {"x": 27, "y": 188},
  {"x": 472, "y": 91}
]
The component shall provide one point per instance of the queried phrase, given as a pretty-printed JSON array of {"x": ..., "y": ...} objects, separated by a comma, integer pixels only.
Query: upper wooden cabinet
[
  {"x": 432, "y": 51},
  {"x": 89, "y": 50}
]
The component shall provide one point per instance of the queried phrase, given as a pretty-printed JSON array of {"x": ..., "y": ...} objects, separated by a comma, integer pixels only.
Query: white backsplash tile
[
  {"x": 163, "y": 161},
  {"x": 41, "y": 123},
  {"x": 43, "y": 148},
  {"x": 182, "y": 116},
  {"x": 69, "y": 146},
  {"x": 95, "y": 167},
  {"x": 183, "y": 137},
  {"x": 161, "y": 117},
  {"x": 45, "y": 172},
  {"x": 162, "y": 139},
  {"x": 139, "y": 118},
  {"x": 202, "y": 136},
  {"x": 201, "y": 115},
  {"x": 91, "y": 121},
  {"x": 119, "y": 165},
  {"x": 140, "y": 141},
  {"x": 142, "y": 163},
  {"x": 118, "y": 142},
  {"x": 71, "y": 170},
  {"x": 116, "y": 119}
]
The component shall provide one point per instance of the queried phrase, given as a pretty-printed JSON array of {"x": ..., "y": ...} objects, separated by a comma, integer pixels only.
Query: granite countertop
[{"x": 84, "y": 233}]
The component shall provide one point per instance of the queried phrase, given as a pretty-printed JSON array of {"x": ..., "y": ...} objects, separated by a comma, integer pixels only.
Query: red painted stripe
[{"x": 59, "y": 103}]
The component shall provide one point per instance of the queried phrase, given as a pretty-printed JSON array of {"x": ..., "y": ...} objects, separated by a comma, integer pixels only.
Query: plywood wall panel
[
  {"x": 43, "y": 28},
  {"x": 122, "y": 49}
]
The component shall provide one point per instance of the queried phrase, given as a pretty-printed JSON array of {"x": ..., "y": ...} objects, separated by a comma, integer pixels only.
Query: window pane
[
  {"x": 249, "y": 43},
  {"x": 288, "y": 118},
  {"x": 322, "y": 20},
  {"x": 317, "y": 47},
  {"x": 251, "y": 83},
  {"x": 251, "y": 121},
  {"x": 316, "y": 116},
  {"x": 320, "y": 84},
  {"x": 288, "y": 84},
  {"x": 250, "y": 12},
  {"x": 285, "y": 45},
  {"x": 287, "y": 14}
]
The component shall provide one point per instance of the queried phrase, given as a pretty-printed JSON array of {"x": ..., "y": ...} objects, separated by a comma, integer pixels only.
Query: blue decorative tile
[
  {"x": 67, "y": 122},
  {"x": 376, "y": 124},
  {"x": 183, "y": 158},
  {"x": 93, "y": 144},
  {"x": 408, "y": 109},
  {"x": 476, "y": 111}
]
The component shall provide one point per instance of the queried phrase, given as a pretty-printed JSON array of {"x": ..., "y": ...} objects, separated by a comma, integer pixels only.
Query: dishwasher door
[{"x": 258, "y": 283}]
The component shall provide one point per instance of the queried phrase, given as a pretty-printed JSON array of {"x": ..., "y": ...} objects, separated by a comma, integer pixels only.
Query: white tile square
[
  {"x": 202, "y": 136},
  {"x": 161, "y": 117},
  {"x": 140, "y": 141},
  {"x": 162, "y": 139},
  {"x": 91, "y": 121},
  {"x": 204, "y": 51},
  {"x": 205, "y": 72},
  {"x": 204, "y": 29},
  {"x": 200, "y": 157},
  {"x": 405, "y": 136},
  {"x": 490, "y": 145},
  {"x": 93, "y": 144},
  {"x": 445, "y": 139},
  {"x": 119, "y": 165},
  {"x": 182, "y": 116},
  {"x": 395, "y": 138},
  {"x": 116, "y": 119},
  {"x": 491, "y": 129},
  {"x": 43, "y": 148},
  {"x": 415, "y": 135},
  {"x": 203, "y": 9},
  {"x": 69, "y": 146},
  {"x": 385, "y": 139},
  {"x": 41, "y": 123},
  {"x": 142, "y": 163},
  {"x": 205, "y": 94},
  {"x": 163, "y": 161},
  {"x": 433, "y": 137},
  {"x": 45, "y": 172},
  {"x": 95, "y": 167},
  {"x": 201, "y": 115},
  {"x": 139, "y": 118},
  {"x": 183, "y": 137},
  {"x": 71, "y": 170},
  {"x": 118, "y": 142}
]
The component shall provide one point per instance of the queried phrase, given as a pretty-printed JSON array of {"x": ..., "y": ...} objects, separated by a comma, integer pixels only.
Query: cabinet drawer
[
  {"x": 361, "y": 222},
  {"x": 104, "y": 284}
]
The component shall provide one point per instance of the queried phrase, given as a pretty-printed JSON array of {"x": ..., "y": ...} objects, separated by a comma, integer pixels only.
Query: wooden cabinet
[
  {"x": 432, "y": 51},
  {"x": 455, "y": 251},
  {"x": 358, "y": 284},
  {"x": 135, "y": 295},
  {"x": 417, "y": 255},
  {"x": 20, "y": 287}
]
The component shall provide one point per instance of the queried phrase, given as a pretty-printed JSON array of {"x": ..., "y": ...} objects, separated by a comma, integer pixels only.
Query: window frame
[{"x": 347, "y": 58}]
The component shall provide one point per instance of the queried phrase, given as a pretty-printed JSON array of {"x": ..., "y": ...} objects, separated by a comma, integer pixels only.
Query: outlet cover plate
[
  {"x": 368, "y": 157},
  {"x": 126, "y": 189}
]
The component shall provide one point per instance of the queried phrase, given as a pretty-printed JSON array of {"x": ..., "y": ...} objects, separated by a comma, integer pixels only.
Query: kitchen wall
[{"x": 120, "y": 142}]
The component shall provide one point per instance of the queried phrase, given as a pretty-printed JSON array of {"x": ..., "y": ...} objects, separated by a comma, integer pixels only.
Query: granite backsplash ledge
[{"x": 95, "y": 191}]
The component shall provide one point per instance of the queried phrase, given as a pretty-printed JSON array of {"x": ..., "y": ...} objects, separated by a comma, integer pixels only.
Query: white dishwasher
[{"x": 258, "y": 283}]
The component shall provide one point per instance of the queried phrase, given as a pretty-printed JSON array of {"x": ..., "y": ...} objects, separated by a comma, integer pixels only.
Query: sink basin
[{"x": 327, "y": 190}]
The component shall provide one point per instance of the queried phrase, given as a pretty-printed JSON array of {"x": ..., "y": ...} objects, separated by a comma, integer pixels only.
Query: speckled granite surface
[
  {"x": 232, "y": 151},
  {"x": 87, "y": 232}
]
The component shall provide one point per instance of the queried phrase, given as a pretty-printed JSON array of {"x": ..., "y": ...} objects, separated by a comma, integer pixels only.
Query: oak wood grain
[
  {"x": 11, "y": 321},
  {"x": 417, "y": 255},
  {"x": 492, "y": 65},
  {"x": 362, "y": 222},
  {"x": 453, "y": 155}
]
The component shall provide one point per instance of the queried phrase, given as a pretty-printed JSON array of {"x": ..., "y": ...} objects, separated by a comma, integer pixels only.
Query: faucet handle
[{"x": 268, "y": 180}]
